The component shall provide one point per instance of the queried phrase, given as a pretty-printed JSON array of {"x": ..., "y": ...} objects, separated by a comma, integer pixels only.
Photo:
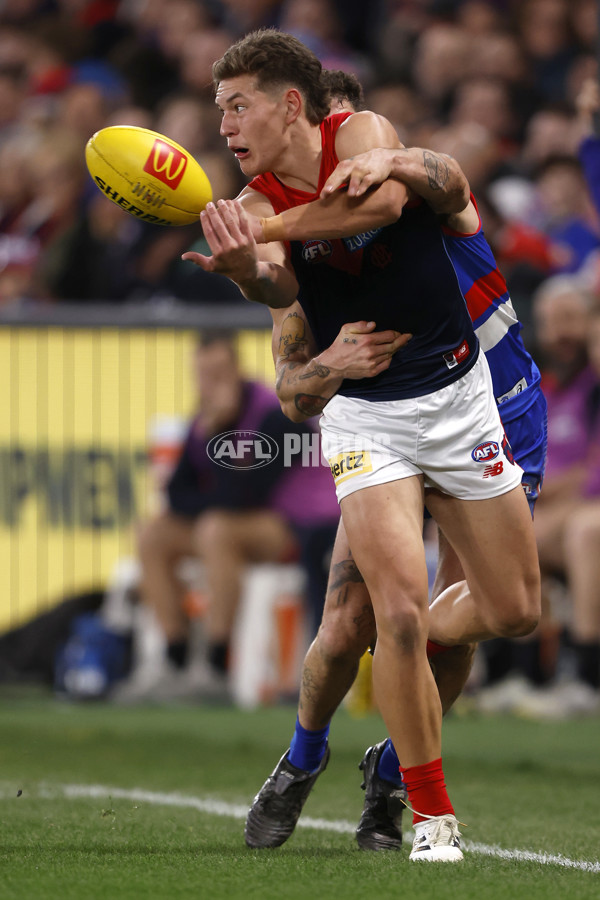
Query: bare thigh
[
  {"x": 384, "y": 524},
  {"x": 449, "y": 569},
  {"x": 495, "y": 544},
  {"x": 348, "y": 624}
]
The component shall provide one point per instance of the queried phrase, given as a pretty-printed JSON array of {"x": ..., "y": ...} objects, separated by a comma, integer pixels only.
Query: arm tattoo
[
  {"x": 437, "y": 171},
  {"x": 284, "y": 369},
  {"x": 293, "y": 335},
  {"x": 310, "y": 404},
  {"x": 318, "y": 369}
]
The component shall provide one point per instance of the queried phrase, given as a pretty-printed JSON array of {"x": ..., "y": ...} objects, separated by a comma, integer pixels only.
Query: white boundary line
[{"x": 238, "y": 811}]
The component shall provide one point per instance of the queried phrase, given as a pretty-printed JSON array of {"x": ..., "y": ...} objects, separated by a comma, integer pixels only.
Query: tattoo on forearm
[
  {"x": 317, "y": 369},
  {"x": 284, "y": 372},
  {"x": 310, "y": 404},
  {"x": 293, "y": 335},
  {"x": 438, "y": 172}
]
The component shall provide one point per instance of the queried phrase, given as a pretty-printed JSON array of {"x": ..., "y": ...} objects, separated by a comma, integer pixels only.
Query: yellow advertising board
[{"x": 79, "y": 408}]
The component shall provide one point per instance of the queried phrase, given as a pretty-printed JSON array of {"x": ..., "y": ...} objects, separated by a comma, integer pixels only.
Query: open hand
[{"x": 228, "y": 232}]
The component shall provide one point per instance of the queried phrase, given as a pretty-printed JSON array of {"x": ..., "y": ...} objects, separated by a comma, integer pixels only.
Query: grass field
[{"x": 149, "y": 803}]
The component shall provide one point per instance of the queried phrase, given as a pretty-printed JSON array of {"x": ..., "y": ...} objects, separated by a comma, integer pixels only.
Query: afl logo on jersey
[
  {"x": 485, "y": 452},
  {"x": 316, "y": 251}
]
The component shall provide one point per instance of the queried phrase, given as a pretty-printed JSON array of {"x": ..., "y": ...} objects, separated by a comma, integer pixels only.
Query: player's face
[{"x": 253, "y": 123}]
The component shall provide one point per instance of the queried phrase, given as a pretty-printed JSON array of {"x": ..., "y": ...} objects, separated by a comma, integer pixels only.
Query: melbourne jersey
[{"x": 400, "y": 276}]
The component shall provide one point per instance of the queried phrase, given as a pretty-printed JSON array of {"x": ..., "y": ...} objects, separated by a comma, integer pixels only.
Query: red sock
[
  {"x": 427, "y": 790},
  {"x": 433, "y": 649}
]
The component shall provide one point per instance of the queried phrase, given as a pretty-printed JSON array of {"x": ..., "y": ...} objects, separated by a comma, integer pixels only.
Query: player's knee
[
  {"x": 518, "y": 607},
  {"x": 519, "y": 625},
  {"x": 403, "y": 624},
  {"x": 518, "y": 619}
]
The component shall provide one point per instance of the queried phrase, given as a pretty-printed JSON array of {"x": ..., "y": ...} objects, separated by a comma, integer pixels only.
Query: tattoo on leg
[
  {"x": 343, "y": 573},
  {"x": 366, "y": 620},
  {"x": 309, "y": 686},
  {"x": 437, "y": 170}
]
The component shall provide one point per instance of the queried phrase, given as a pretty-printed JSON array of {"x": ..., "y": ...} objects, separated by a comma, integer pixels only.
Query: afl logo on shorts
[
  {"x": 316, "y": 251},
  {"x": 485, "y": 452}
]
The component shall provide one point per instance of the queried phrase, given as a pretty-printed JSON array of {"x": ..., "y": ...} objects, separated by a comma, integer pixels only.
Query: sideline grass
[{"x": 520, "y": 785}]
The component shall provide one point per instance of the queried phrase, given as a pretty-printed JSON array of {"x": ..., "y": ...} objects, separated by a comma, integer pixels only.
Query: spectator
[
  {"x": 568, "y": 216},
  {"x": 561, "y": 315},
  {"x": 548, "y": 42},
  {"x": 228, "y": 518},
  {"x": 473, "y": 75},
  {"x": 550, "y": 131},
  {"x": 569, "y": 538}
]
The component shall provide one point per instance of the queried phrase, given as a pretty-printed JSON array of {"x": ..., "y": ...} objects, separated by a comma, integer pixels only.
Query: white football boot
[{"x": 437, "y": 839}]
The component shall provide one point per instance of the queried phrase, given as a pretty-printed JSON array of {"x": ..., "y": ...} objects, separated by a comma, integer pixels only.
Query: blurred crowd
[
  {"x": 493, "y": 82},
  {"x": 508, "y": 87}
]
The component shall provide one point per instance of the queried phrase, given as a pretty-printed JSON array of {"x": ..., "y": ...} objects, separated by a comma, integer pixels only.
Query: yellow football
[{"x": 148, "y": 175}]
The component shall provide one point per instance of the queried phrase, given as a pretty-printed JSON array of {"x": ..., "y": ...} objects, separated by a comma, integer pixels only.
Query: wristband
[{"x": 273, "y": 228}]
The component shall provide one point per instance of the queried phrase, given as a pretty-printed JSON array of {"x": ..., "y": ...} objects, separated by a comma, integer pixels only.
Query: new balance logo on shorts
[
  {"x": 494, "y": 469},
  {"x": 347, "y": 465}
]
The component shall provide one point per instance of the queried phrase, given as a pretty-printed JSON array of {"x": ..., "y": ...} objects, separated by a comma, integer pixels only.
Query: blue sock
[
  {"x": 389, "y": 766},
  {"x": 308, "y": 747}
]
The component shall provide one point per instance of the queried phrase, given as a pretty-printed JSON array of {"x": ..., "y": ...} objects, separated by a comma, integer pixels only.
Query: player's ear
[{"x": 294, "y": 104}]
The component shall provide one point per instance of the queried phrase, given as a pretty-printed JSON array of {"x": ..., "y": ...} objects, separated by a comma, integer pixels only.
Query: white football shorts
[{"x": 453, "y": 436}]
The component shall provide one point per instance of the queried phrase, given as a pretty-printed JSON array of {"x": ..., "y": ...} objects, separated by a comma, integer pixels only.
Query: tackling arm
[
  {"x": 338, "y": 214},
  {"x": 306, "y": 382},
  {"x": 436, "y": 177}
]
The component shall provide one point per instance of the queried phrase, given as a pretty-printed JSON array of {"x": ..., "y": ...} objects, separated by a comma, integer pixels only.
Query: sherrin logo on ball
[{"x": 148, "y": 175}]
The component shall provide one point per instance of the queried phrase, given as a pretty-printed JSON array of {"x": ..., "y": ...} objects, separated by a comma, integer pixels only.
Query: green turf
[{"x": 518, "y": 785}]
